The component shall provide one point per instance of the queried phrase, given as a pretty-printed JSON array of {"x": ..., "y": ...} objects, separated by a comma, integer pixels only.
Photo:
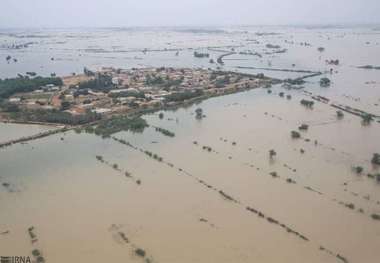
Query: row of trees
[
  {"x": 152, "y": 80},
  {"x": 102, "y": 82},
  {"x": 182, "y": 96},
  {"x": 56, "y": 116},
  {"x": 9, "y": 87}
]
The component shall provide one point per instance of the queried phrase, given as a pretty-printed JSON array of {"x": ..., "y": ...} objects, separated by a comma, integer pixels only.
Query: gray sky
[{"x": 72, "y": 13}]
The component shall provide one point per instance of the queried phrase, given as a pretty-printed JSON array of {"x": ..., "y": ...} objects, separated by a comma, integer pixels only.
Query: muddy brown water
[{"x": 72, "y": 200}]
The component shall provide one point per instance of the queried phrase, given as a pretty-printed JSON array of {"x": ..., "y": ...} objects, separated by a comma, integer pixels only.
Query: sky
[{"x": 130, "y": 13}]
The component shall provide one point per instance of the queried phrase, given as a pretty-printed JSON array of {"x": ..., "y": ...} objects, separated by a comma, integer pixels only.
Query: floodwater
[{"x": 83, "y": 210}]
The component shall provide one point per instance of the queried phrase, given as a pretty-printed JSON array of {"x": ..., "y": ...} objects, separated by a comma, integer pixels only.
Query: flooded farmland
[{"x": 214, "y": 192}]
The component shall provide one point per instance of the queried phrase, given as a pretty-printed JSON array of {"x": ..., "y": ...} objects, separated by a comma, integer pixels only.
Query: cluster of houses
[{"x": 129, "y": 89}]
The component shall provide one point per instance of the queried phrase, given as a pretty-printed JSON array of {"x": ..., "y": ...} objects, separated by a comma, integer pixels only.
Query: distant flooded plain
[{"x": 216, "y": 195}]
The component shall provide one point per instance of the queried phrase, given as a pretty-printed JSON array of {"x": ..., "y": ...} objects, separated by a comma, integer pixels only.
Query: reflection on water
[{"x": 82, "y": 209}]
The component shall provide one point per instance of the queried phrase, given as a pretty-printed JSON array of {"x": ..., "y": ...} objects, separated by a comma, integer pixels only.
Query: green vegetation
[
  {"x": 161, "y": 115},
  {"x": 273, "y": 174},
  {"x": 122, "y": 94},
  {"x": 199, "y": 113},
  {"x": 55, "y": 116},
  {"x": 222, "y": 82},
  {"x": 369, "y": 67},
  {"x": 32, "y": 74},
  {"x": 120, "y": 123},
  {"x": 376, "y": 159},
  {"x": 272, "y": 46},
  {"x": 325, "y": 82},
  {"x": 9, "y": 87},
  {"x": 208, "y": 148},
  {"x": 9, "y": 107},
  {"x": 154, "y": 156},
  {"x": 88, "y": 72},
  {"x": 297, "y": 81},
  {"x": 307, "y": 103},
  {"x": 182, "y": 96},
  {"x": 295, "y": 135},
  {"x": 140, "y": 252},
  {"x": 375, "y": 217},
  {"x": 201, "y": 55},
  {"x": 339, "y": 114},
  {"x": 358, "y": 169},
  {"x": 36, "y": 253},
  {"x": 367, "y": 118},
  {"x": 153, "y": 80},
  {"x": 165, "y": 132},
  {"x": 102, "y": 82},
  {"x": 290, "y": 181},
  {"x": 65, "y": 105}
]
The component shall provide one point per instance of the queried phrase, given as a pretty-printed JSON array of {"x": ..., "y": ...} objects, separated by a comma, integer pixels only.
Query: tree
[
  {"x": 65, "y": 105},
  {"x": 201, "y": 55},
  {"x": 367, "y": 118},
  {"x": 303, "y": 127},
  {"x": 295, "y": 135},
  {"x": 376, "y": 158},
  {"x": 199, "y": 113},
  {"x": 325, "y": 82},
  {"x": 10, "y": 107},
  {"x": 339, "y": 114},
  {"x": 272, "y": 153},
  {"x": 307, "y": 103},
  {"x": 10, "y": 86},
  {"x": 161, "y": 115},
  {"x": 358, "y": 169}
]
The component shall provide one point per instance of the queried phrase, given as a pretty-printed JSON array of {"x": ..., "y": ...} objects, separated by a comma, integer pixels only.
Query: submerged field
[{"x": 211, "y": 192}]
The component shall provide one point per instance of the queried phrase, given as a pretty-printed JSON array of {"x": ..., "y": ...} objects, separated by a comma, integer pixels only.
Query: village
[{"x": 111, "y": 91}]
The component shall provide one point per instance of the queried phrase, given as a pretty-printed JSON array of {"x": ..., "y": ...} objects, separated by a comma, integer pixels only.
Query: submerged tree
[
  {"x": 272, "y": 153},
  {"x": 339, "y": 114},
  {"x": 367, "y": 118},
  {"x": 358, "y": 169},
  {"x": 376, "y": 158},
  {"x": 307, "y": 103},
  {"x": 325, "y": 82},
  {"x": 199, "y": 113},
  {"x": 295, "y": 135},
  {"x": 321, "y": 49},
  {"x": 303, "y": 127}
]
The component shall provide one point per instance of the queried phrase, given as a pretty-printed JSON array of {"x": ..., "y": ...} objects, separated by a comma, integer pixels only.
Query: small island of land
[{"x": 98, "y": 95}]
